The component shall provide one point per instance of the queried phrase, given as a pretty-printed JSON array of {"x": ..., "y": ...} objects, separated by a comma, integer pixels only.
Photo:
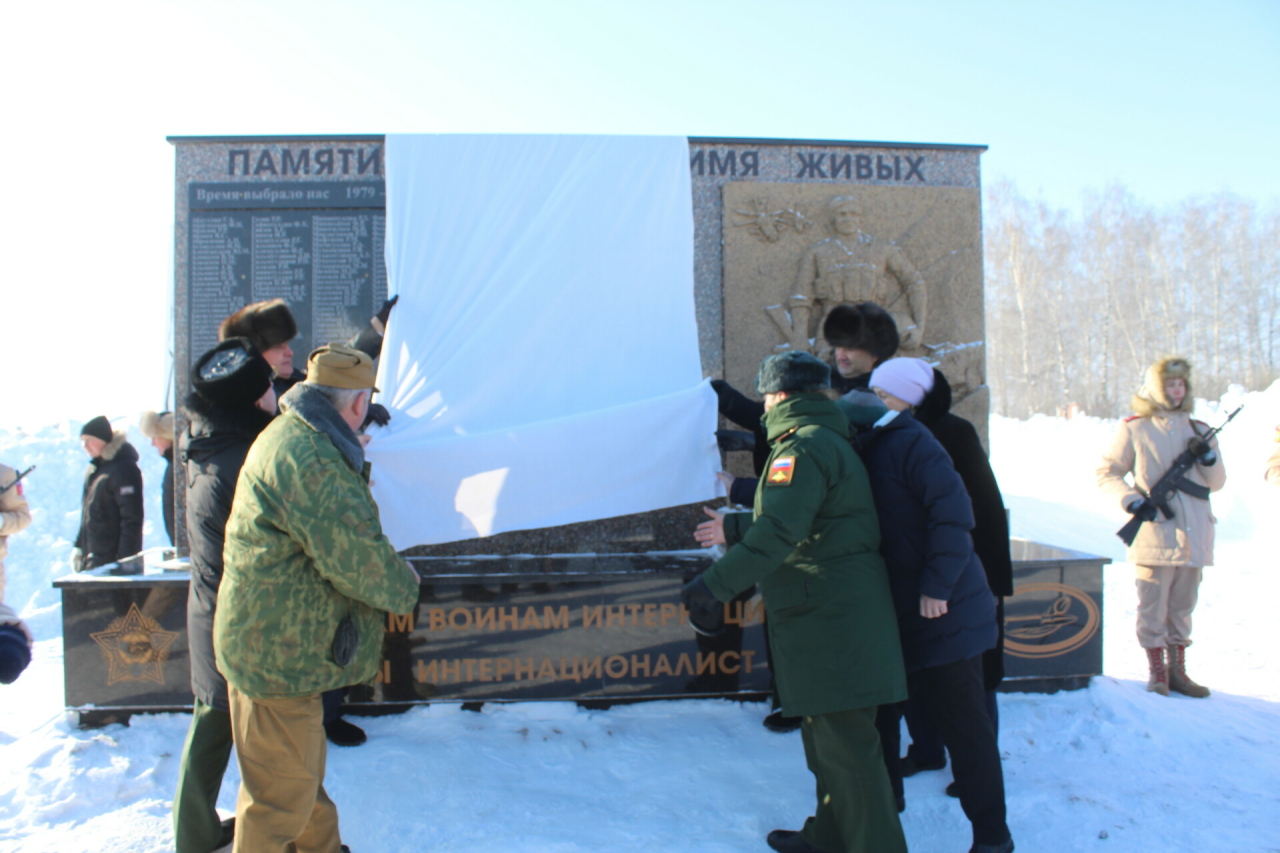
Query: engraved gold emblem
[
  {"x": 134, "y": 648},
  {"x": 1071, "y": 616}
]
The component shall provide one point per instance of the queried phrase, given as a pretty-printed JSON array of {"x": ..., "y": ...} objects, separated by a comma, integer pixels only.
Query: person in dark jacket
[
  {"x": 946, "y": 612},
  {"x": 861, "y": 336},
  {"x": 111, "y": 505},
  {"x": 812, "y": 546},
  {"x": 991, "y": 543},
  {"x": 158, "y": 426},
  {"x": 232, "y": 401},
  {"x": 270, "y": 327}
]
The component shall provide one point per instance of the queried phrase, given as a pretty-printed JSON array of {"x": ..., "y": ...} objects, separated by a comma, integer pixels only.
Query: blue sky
[{"x": 1170, "y": 99}]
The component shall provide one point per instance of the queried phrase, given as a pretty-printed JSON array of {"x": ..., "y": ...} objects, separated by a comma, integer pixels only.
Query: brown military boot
[
  {"x": 1178, "y": 679},
  {"x": 1159, "y": 680}
]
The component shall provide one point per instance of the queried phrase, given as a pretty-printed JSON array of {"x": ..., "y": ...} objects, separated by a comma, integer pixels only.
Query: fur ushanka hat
[
  {"x": 1152, "y": 397},
  {"x": 157, "y": 425},
  {"x": 865, "y": 326},
  {"x": 233, "y": 374},
  {"x": 793, "y": 371},
  {"x": 265, "y": 324}
]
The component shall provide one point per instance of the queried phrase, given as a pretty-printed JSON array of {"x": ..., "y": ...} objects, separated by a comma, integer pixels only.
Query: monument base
[{"x": 598, "y": 630}]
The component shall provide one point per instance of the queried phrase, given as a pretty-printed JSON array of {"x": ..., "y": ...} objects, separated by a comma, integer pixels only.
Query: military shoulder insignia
[
  {"x": 126, "y": 490},
  {"x": 781, "y": 471}
]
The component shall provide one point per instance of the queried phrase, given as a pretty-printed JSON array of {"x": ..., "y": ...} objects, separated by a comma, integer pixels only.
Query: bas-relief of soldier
[{"x": 854, "y": 266}]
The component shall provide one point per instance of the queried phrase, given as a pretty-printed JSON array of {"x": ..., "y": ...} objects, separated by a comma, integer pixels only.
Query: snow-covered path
[{"x": 1111, "y": 768}]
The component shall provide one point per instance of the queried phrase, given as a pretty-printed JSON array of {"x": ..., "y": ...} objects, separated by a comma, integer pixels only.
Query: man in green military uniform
[
  {"x": 812, "y": 544},
  {"x": 307, "y": 579}
]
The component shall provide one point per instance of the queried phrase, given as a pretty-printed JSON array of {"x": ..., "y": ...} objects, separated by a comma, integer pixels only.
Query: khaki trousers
[
  {"x": 280, "y": 747},
  {"x": 1166, "y": 597}
]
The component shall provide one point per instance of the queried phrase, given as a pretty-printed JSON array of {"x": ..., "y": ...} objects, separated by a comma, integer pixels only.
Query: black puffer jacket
[
  {"x": 111, "y": 505},
  {"x": 990, "y": 523},
  {"x": 212, "y": 452},
  {"x": 925, "y": 519}
]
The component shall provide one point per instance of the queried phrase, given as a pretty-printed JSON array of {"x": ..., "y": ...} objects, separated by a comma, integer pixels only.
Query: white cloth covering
[{"x": 541, "y": 366}]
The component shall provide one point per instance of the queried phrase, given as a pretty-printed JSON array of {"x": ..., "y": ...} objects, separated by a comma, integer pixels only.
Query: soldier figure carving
[{"x": 853, "y": 266}]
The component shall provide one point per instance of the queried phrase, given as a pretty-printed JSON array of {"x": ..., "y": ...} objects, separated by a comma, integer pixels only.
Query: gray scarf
[{"x": 315, "y": 408}]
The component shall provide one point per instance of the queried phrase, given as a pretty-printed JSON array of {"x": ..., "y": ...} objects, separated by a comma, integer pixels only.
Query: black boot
[
  {"x": 776, "y": 722},
  {"x": 1005, "y": 847},
  {"x": 910, "y": 766},
  {"x": 341, "y": 733},
  {"x": 789, "y": 841}
]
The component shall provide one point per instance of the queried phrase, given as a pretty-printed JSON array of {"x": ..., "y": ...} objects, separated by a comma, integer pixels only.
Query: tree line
[{"x": 1077, "y": 306}]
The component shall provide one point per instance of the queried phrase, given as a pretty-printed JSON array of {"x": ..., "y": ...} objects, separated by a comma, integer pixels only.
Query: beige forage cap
[{"x": 340, "y": 366}]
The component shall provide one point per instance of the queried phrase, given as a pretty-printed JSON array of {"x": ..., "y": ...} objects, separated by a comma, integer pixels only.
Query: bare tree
[{"x": 1077, "y": 307}]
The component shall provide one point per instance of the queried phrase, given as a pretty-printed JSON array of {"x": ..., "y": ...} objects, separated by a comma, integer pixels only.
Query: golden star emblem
[{"x": 135, "y": 648}]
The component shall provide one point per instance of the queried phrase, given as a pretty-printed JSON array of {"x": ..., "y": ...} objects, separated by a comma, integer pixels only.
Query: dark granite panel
[
  {"x": 125, "y": 645},
  {"x": 1053, "y": 622}
]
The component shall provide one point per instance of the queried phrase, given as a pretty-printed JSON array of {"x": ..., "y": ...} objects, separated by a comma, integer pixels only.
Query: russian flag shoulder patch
[{"x": 781, "y": 471}]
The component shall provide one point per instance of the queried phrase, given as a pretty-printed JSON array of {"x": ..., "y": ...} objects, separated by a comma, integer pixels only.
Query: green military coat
[
  {"x": 812, "y": 544},
  {"x": 304, "y": 548}
]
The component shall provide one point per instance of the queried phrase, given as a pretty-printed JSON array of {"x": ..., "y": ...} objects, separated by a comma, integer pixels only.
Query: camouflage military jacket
[{"x": 304, "y": 548}]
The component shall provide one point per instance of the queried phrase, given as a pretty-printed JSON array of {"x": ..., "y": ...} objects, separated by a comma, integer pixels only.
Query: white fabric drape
[{"x": 542, "y": 364}]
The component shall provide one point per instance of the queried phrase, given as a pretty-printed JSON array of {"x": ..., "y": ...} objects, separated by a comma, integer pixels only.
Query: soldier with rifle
[{"x": 1161, "y": 467}]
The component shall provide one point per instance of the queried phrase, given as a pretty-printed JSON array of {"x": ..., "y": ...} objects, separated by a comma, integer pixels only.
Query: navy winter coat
[{"x": 925, "y": 519}]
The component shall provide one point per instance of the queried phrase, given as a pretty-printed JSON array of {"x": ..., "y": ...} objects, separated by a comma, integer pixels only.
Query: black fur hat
[
  {"x": 265, "y": 324},
  {"x": 792, "y": 371},
  {"x": 865, "y": 326},
  {"x": 232, "y": 374}
]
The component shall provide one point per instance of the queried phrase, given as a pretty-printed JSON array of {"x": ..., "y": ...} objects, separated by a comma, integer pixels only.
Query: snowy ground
[{"x": 1111, "y": 768}]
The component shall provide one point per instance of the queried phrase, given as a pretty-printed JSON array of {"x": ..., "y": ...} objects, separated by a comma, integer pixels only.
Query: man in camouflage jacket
[{"x": 304, "y": 554}]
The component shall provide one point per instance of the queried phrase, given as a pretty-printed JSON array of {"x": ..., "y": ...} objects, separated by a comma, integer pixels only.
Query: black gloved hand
[
  {"x": 378, "y": 414},
  {"x": 730, "y": 440},
  {"x": 1143, "y": 509},
  {"x": 1202, "y": 451},
  {"x": 385, "y": 311},
  {"x": 706, "y": 612}
]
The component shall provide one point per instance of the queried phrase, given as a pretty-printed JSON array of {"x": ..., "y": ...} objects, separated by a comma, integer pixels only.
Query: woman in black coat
[
  {"x": 232, "y": 403},
  {"x": 991, "y": 543},
  {"x": 946, "y": 612}
]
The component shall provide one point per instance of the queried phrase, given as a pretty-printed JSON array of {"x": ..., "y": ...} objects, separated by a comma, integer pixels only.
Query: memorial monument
[{"x": 783, "y": 230}]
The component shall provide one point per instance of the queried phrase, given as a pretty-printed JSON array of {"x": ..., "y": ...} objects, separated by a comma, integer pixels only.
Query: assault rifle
[
  {"x": 1174, "y": 480},
  {"x": 17, "y": 479}
]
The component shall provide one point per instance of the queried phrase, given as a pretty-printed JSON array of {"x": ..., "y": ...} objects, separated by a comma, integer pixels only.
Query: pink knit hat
[{"x": 908, "y": 379}]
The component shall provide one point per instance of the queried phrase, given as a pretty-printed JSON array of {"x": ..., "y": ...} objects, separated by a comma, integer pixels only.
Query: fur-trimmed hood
[
  {"x": 119, "y": 442},
  {"x": 1152, "y": 400}
]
